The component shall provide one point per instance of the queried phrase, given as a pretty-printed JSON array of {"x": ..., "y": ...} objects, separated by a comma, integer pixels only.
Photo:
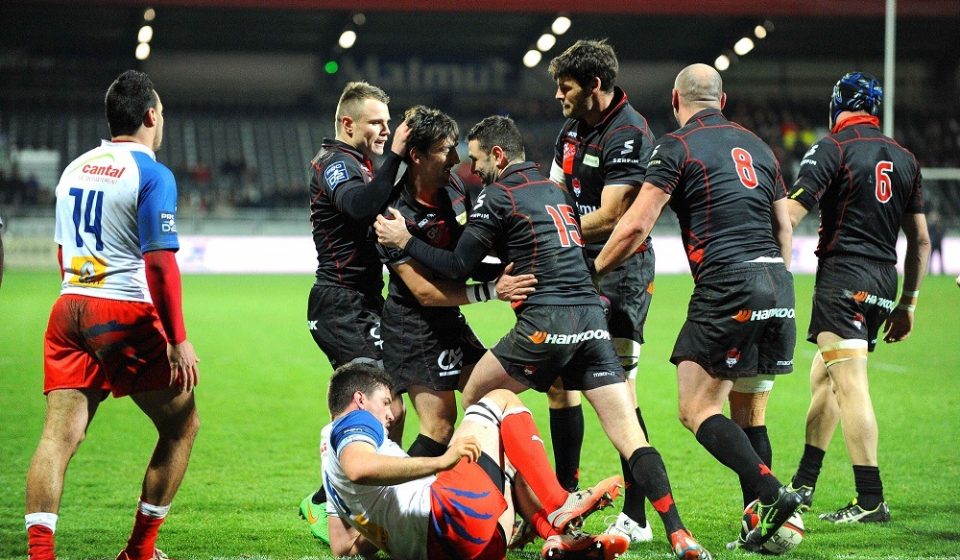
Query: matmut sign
[{"x": 415, "y": 74}]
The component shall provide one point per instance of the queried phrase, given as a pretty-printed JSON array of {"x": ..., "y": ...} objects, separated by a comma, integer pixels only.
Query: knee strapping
[
  {"x": 486, "y": 412},
  {"x": 762, "y": 383},
  {"x": 843, "y": 350},
  {"x": 629, "y": 353}
]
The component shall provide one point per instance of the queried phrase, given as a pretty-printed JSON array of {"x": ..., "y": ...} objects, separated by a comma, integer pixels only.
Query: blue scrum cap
[{"x": 856, "y": 91}]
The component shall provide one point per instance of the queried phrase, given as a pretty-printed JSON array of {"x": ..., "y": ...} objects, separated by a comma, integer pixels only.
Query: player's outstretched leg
[
  {"x": 613, "y": 405},
  {"x": 174, "y": 414}
]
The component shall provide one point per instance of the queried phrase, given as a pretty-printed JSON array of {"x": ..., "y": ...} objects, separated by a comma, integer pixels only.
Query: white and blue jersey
[
  {"x": 395, "y": 518},
  {"x": 114, "y": 203}
]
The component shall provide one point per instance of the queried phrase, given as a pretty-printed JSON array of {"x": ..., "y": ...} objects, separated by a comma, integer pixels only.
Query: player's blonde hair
[{"x": 352, "y": 98}]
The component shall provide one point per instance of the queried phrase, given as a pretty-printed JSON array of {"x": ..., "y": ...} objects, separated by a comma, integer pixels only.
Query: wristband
[
  {"x": 908, "y": 306},
  {"x": 481, "y": 292},
  {"x": 913, "y": 294}
]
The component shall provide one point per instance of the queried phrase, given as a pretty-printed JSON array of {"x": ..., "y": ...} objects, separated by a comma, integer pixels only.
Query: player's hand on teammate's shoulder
[
  {"x": 392, "y": 230},
  {"x": 400, "y": 135},
  {"x": 898, "y": 325},
  {"x": 183, "y": 366},
  {"x": 515, "y": 288},
  {"x": 464, "y": 446}
]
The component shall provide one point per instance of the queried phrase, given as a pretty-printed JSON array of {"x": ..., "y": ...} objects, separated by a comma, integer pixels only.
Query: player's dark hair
[
  {"x": 127, "y": 101},
  {"x": 586, "y": 60},
  {"x": 427, "y": 127},
  {"x": 500, "y": 131},
  {"x": 351, "y": 100},
  {"x": 350, "y": 378}
]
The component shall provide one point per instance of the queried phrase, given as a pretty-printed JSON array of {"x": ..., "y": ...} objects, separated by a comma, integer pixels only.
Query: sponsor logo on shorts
[
  {"x": 335, "y": 174},
  {"x": 529, "y": 370},
  {"x": 375, "y": 335},
  {"x": 312, "y": 325},
  {"x": 450, "y": 361},
  {"x": 543, "y": 337},
  {"x": 733, "y": 356},
  {"x": 745, "y": 315},
  {"x": 602, "y": 374},
  {"x": 867, "y": 298},
  {"x": 576, "y": 186},
  {"x": 784, "y": 362},
  {"x": 168, "y": 222}
]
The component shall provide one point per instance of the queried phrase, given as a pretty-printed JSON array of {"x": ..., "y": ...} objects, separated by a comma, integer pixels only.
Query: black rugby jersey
[
  {"x": 530, "y": 221},
  {"x": 346, "y": 255},
  {"x": 440, "y": 226},
  {"x": 865, "y": 183},
  {"x": 613, "y": 152},
  {"x": 723, "y": 181}
]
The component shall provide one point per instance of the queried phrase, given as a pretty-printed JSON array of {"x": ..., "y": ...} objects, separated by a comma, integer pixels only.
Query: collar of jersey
[
  {"x": 855, "y": 120},
  {"x": 705, "y": 114},
  {"x": 515, "y": 168},
  {"x": 130, "y": 145},
  {"x": 344, "y": 147},
  {"x": 619, "y": 100}
]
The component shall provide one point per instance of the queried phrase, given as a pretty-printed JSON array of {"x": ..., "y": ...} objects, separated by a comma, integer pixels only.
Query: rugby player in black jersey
[
  {"x": 601, "y": 156},
  {"x": 561, "y": 330},
  {"x": 868, "y": 188},
  {"x": 428, "y": 347},
  {"x": 343, "y": 309},
  {"x": 725, "y": 186}
]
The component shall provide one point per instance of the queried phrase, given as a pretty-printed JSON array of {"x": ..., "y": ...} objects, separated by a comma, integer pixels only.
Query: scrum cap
[{"x": 856, "y": 91}]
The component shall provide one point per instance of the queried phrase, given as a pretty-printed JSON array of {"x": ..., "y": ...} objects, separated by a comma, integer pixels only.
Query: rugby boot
[
  {"x": 582, "y": 546},
  {"x": 582, "y": 503},
  {"x": 631, "y": 529},
  {"x": 685, "y": 547},
  {"x": 854, "y": 513},
  {"x": 157, "y": 555},
  {"x": 770, "y": 517},
  {"x": 316, "y": 516}
]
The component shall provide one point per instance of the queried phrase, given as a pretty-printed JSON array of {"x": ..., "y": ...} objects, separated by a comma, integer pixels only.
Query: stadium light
[
  {"x": 743, "y": 46},
  {"x": 722, "y": 62},
  {"x": 760, "y": 32},
  {"x": 359, "y": 19},
  {"x": 149, "y": 14},
  {"x": 546, "y": 42},
  {"x": 532, "y": 58},
  {"x": 143, "y": 51},
  {"x": 561, "y": 25},
  {"x": 331, "y": 67},
  {"x": 145, "y": 34},
  {"x": 347, "y": 39}
]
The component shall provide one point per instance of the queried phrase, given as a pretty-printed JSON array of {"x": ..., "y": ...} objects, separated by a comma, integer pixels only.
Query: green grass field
[{"x": 261, "y": 400}]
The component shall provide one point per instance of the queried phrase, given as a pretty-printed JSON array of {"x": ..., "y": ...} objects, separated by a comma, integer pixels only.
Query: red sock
[
  {"x": 540, "y": 524},
  {"x": 524, "y": 448},
  {"x": 143, "y": 539},
  {"x": 40, "y": 542}
]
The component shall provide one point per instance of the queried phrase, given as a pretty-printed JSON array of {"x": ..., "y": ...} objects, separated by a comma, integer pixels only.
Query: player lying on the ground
[{"x": 460, "y": 505}]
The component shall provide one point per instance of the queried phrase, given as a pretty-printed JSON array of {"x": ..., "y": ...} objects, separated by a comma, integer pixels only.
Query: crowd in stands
[{"x": 280, "y": 179}]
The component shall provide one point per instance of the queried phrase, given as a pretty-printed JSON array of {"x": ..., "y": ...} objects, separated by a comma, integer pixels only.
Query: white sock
[
  {"x": 48, "y": 520},
  {"x": 157, "y": 512}
]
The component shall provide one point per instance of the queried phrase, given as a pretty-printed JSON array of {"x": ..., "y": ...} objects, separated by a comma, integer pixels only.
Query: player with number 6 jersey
[{"x": 868, "y": 187}]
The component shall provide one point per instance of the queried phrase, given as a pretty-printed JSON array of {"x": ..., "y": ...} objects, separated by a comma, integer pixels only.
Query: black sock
[
  {"x": 320, "y": 496},
  {"x": 760, "y": 442},
  {"x": 810, "y": 464},
  {"x": 634, "y": 501},
  {"x": 424, "y": 446},
  {"x": 869, "y": 486},
  {"x": 726, "y": 441},
  {"x": 651, "y": 475},
  {"x": 566, "y": 433}
]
